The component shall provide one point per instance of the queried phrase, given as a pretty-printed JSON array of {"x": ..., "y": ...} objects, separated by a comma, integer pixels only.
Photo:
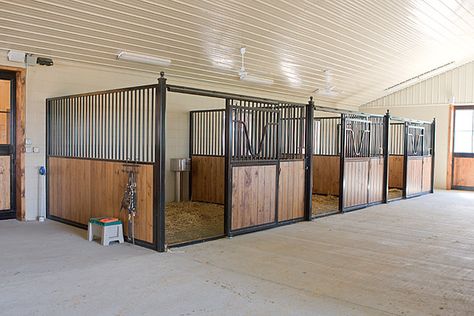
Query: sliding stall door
[
  {"x": 7, "y": 145},
  {"x": 463, "y": 153}
]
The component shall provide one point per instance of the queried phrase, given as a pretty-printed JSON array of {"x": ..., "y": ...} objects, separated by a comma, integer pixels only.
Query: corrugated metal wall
[{"x": 440, "y": 89}]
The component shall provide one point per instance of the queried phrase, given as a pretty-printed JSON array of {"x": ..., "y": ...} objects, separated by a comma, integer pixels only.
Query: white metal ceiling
[{"x": 368, "y": 45}]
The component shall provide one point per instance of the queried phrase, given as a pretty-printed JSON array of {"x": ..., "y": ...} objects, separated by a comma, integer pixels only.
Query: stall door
[
  {"x": 463, "y": 154},
  {"x": 7, "y": 154}
]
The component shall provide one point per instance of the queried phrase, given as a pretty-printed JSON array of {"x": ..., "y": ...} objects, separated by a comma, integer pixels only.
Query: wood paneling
[
  {"x": 376, "y": 179},
  {"x": 356, "y": 172},
  {"x": 326, "y": 170},
  {"x": 5, "y": 182},
  {"x": 291, "y": 190},
  {"x": 80, "y": 189},
  {"x": 395, "y": 172},
  {"x": 253, "y": 195},
  {"x": 463, "y": 172},
  {"x": 426, "y": 185},
  {"x": 207, "y": 174},
  {"x": 414, "y": 175}
]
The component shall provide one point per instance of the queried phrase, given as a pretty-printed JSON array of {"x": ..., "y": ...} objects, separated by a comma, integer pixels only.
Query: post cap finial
[
  {"x": 311, "y": 98},
  {"x": 162, "y": 74}
]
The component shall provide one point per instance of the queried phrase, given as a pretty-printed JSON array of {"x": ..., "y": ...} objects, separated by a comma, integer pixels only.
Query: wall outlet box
[
  {"x": 36, "y": 149},
  {"x": 28, "y": 141},
  {"x": 28, "y": 149}
]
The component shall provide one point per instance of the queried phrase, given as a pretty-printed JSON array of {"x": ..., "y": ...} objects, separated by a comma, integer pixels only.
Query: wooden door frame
[
  {"x": 20, "y": 111},
  {"x": 449, "y": 173}
]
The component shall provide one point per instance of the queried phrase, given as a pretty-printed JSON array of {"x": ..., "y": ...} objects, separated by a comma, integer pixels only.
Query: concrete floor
[{"x": 413, "y": 257}]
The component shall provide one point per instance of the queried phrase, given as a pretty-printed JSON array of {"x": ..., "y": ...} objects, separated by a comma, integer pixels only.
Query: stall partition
[{"x": 93, "y": 141}]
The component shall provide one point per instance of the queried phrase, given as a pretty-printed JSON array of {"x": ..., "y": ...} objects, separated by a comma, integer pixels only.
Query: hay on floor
[
  {"x": 188, "y": 221},
  {"x": 394, "y": 193},
  {"x": 323, "y": 204}
]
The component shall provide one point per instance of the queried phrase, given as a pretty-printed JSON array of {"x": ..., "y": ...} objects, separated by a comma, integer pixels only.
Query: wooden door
[{"x": 463, "y": 149}]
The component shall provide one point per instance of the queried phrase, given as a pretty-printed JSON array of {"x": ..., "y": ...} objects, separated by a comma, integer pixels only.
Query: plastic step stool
[{"x": 106, "y": 229}]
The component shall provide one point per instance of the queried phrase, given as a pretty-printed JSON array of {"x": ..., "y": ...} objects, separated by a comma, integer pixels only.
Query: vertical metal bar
[
  {"x": 159, "y": 167},
  {"x": 433, "y": 142},
  {"x": 405, "y": 159},
  {"x": 229, "y": 141},
  {"x": 386, "y": 160},
  {"x": 308, "y": 184},
  {"x": 342, "y": 163}
]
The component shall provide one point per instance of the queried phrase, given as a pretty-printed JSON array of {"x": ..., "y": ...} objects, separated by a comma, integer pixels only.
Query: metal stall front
[
  {"x": 363, "y": 160},
  {"x": 349, "y": 160},
  {"x": 419, "y": 153},
  {"x": 251, "y": 157}
]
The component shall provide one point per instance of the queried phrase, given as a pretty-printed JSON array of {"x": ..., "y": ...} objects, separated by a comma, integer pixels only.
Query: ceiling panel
[{"x": 367, "y": 45}]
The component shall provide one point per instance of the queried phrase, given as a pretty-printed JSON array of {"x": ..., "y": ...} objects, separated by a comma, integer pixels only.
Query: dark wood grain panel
[
  {"x": 207, "y": 174},
  {"x": 80, "y": 189},
  {"x": 326, "y": 170},
  {"x": 463, "y": 173},
  {"x": 376, "y": 179},
  {"x": 253, "y": 195},
  {"x": 291, "y": 190},
  {"x": 356, "y": 181},
  {"x": 414, "y": 175},
  {"x": 395, "y": 172}
]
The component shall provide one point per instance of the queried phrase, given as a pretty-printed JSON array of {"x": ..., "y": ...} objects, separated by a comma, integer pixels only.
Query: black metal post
[
  {"x": 191, "y": 148},
  {"x": 342, "y": 162},
  {"x": 48, "y": 144},
  {"x": 228, "y": 170},
  {"x": 308, "y": 190},
  {"x": 159, "y": 166},
  {"x": 433, "y": 142},
  {"x": 386, "y": 160},
  {"x": 405, "y": 159}
]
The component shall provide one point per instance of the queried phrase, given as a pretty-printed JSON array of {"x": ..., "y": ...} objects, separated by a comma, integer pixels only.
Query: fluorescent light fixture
[
  {"x": 256, "y": 80},
  {"x": 137, "y": 58},
  {"x": 16, "y": 56}
]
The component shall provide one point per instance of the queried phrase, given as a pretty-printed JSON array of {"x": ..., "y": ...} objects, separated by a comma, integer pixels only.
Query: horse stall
[
  {"x": 101, "y": 145},
  {"x": 326, "y": 164},
  {"x": 200, "y": 216},
  {"x": 265, "y": 164},
  {"x": 353, "y": 177},
  {"x": 363, "y": 160},
  {"x": 419, "y": 167},
  {"x": 396, "y": 183}
]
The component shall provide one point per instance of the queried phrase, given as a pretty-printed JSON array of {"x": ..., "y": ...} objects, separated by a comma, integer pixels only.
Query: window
[{"x": 464, "y": 131}]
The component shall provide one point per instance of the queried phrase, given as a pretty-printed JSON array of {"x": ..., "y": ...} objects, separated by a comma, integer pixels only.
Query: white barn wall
[{"x": 430, "y": 99}]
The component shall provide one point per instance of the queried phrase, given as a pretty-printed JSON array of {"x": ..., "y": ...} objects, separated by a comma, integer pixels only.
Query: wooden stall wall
[
  {"x": 376, "y": 188},
  {"x": 80, "y": 189},
  {"x": 414, "y": 175},
  {"x": 207, "y": 179},
  {"x": 326, "y": 170},
  {"x": 356, "y": 181},
  {"x": 291, "y": 190},
  {"x": 463, "y": 175},
  {"x": 253, "y": 195},
  {"x": 426, "y": 185},
  {"x": 395, "y": 172}
]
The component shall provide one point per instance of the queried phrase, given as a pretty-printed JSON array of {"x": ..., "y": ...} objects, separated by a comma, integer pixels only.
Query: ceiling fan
[
  {"x": 329, "y": 90},
  {"x": 244, "y": 76}
]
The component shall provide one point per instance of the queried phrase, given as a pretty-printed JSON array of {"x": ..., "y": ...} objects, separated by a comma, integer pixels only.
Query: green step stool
[{"x": 106, "y": 231}]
